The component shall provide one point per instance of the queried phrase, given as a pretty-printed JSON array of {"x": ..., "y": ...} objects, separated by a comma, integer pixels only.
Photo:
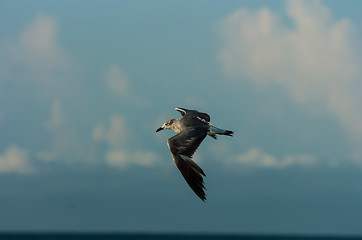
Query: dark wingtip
[
  {"x": 229, "y": 133},
  {"x": 202, "y": 194}
]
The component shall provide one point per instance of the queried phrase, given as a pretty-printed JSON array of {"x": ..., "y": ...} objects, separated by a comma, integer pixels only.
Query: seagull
[{"x": 191, "y": 129}]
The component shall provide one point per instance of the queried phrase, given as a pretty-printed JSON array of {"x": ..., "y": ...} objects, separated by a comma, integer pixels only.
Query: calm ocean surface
[{"x": 65, "y": 236}]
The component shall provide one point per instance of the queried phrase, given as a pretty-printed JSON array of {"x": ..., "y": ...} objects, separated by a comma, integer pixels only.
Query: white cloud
[
  {"x": 38, "y": 41},
  {"x": 37, "y": 53},
  {"x": 46, "y": 156},
  {"x": 99, "y": 133},
  {"x": 121, "y": 146},
  {"x": 146, "y": 158},
  {"x": 316, "y": 60},
  {"x": 35, "y": 60},
  {"x": 55, "y": 126},
  {"x": 65, "y": 143},
  {"x": 256, "y": 157},
  {"x": 116, "y": 135},
  {"x": 117, "y": 158},
  {"x": 118, "y": 82},
  {"x": 57, "y": 116},
  {"x": 15, "y": 160},
  {"x": 122, "y": 158}
]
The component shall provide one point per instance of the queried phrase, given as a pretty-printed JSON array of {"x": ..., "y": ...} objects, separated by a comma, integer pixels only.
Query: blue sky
[{"x": 84, "y": 85}]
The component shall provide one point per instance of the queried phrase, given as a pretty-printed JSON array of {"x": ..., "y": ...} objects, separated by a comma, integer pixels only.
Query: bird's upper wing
[
  {"x": 183, "y": 146},
  {"x": 193, "y": 113}
]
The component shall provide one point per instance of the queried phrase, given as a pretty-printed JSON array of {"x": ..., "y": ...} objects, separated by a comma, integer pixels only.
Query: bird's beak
[{"x": 159, "y": 129}]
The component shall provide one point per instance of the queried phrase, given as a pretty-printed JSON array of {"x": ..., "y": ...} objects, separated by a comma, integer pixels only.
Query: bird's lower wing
[
  {"x": 182, "y": 147},
  {"x": 192, "y": 174}
]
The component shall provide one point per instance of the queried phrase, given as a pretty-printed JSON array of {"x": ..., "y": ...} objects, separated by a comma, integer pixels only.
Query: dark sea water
[{"x": 83, "y": 236}]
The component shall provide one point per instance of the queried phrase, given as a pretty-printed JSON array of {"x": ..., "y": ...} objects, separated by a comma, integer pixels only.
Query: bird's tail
[{"x": 214, "y": 130}]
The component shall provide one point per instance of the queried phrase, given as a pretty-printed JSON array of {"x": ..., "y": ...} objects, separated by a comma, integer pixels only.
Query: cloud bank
[
  {"x": 37, "y": 53},
  {"x": 119, "y": 84},
  {"x": 120, "y": 151},
  {"x": 315, "y": 59},
  {"x": 256, "y": 157}
]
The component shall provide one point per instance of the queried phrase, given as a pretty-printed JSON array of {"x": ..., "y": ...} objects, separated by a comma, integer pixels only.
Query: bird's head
[{"x": 167, "y": 125}]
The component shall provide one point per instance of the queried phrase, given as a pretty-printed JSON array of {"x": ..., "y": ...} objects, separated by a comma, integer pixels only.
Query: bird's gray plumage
[{"x": 191, "y": 130}]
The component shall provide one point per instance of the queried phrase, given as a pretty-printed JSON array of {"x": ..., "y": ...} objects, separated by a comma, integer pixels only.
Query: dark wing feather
[
  {"x": 193, "y": 113},
  {"x": 182, "y": 147},
  {"x": 204, "y": 116}
]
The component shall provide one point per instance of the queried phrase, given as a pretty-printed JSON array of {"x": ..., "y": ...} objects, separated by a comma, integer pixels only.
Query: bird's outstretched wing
[
  {"x": 182, "y": 147},
  {"x": 193, "y": 113}
]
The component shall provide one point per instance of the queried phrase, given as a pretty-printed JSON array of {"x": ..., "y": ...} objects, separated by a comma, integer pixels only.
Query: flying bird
[{"x": 191, "y": 129}]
